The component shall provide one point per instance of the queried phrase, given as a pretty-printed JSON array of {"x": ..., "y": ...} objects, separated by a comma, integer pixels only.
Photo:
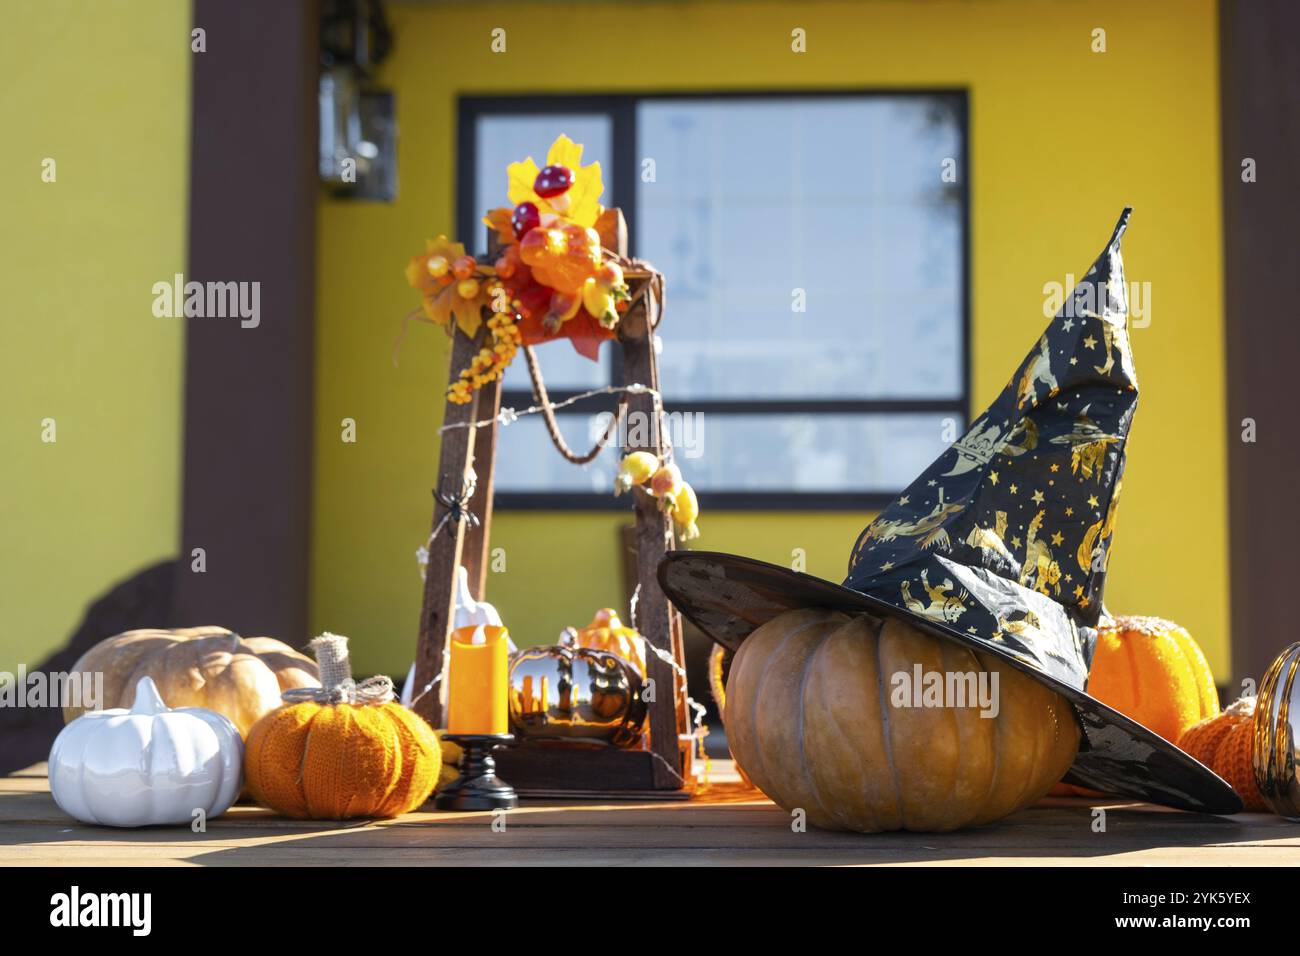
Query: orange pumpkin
[
  {"x": 607, "y": 633},
  {"x": 209, "y": 667},
  {"x": 1151, "y": 670},
  {"x": 806, "y": 720},
  {"x": 351, "y": 752},
  {"x": 1225, "y": 744}
]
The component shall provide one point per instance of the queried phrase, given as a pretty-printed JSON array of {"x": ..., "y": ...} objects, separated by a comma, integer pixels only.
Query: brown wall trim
[
  {"x": 248, "y": 391},
  {"x": 1260, "y": 82}
]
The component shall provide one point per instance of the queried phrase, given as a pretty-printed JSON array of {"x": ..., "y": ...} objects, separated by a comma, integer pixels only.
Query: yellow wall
[
  {"x": 1061, "y": 139},
  {"x": 103, "y": 89}
]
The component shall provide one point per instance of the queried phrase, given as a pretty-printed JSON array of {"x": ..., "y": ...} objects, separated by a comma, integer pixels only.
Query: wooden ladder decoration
[{"x": 468, "y": 456}]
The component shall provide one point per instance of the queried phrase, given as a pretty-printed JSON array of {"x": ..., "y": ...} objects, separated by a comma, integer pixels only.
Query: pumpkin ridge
[
  {"x": 996, "y": 772},
  {"x": 402, "y": 781},
  {"x": 778, "y": 783},
  {"x": 396, "y": 753},
  {"x": 762, "y": 679},
  {"x": 396, "y": 748},
  {"x": 830, "y": 713},
  {"x": 1198, "y": 666},
  {"x": 345, "y": 711},
  {"x": 301, "y": 779},
  {"x": 967, "y": 656},
  {"x": 1036, "y": 758},
  {"x": 887, "y": 731},
  {"x": 1004, "y": 733},
  {"x": 1134, "y": 682},
  {"x": 1028, "y": 779},
  {"x": 813, "y": 788},
  {"x": 948, "y": 650}
]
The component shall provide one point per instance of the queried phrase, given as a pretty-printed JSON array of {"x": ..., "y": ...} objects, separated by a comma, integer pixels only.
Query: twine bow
[{"x": 337, "y": 685}]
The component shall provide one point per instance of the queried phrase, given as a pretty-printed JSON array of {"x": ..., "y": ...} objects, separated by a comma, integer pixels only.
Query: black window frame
[{"x": 621, "y": 108}]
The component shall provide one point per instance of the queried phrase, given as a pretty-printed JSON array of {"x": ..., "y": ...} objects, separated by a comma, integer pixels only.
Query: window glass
[
  {"x": 813, "y": 248},
  {"x": 759, "y": 208},
  {"x": 739, "y": 453}
]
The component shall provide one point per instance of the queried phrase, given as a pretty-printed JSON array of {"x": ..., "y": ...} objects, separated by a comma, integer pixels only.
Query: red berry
[
  {"x": 526, "y": 217},
  {"x": 553, "y": 181}
]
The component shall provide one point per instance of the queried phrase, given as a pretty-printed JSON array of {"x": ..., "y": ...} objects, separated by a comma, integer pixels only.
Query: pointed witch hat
[{"x": 1002, "y": 543}]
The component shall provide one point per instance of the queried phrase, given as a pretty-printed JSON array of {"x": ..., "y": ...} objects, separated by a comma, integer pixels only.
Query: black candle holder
[{"x": 478, "y": 787}]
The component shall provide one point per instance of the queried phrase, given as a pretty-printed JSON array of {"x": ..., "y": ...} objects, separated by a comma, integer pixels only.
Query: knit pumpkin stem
[
  {"x": 331, "y": 652},
  {"x": 1242, "y": 707}
]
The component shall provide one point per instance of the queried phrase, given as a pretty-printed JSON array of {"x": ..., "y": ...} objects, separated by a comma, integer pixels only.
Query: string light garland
[
  {"x": 508, "y": 415},
  {"x": 698, "y": 728}
]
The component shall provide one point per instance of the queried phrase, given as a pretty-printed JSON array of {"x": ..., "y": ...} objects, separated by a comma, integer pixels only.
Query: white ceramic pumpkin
[{"x": 147, "y": 766}]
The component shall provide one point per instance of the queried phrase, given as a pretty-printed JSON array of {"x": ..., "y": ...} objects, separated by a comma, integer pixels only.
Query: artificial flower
[
  {"x": 583, "y": 206},
  {"x": 444, "y": 295}
]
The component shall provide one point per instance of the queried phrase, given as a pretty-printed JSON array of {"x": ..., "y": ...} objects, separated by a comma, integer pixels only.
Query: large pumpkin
[
  {"x": 240, "y": 677},
  {"x": 1151, "y": 670},
  {"x": 806, "y": 719}
]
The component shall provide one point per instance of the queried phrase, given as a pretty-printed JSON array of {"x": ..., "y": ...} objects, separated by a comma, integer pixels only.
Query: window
[{"x": 815, "y": 257}]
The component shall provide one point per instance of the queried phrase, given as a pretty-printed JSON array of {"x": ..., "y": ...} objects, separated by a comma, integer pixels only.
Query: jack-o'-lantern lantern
[{"x": 607, "y": 633}]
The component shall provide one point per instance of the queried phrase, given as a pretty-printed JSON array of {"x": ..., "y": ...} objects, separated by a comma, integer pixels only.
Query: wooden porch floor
[{"x": 726, "y": 825}]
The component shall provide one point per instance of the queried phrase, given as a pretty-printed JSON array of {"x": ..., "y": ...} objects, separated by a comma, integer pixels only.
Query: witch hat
[{"x": 1002, "y": 543}]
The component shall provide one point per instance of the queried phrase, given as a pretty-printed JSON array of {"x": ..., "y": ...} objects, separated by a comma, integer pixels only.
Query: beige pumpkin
[
  {"x": 806, "y": 720},
  {"x": 240, "y": 677}
]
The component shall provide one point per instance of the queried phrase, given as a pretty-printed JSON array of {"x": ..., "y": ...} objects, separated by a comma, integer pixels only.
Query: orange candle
[{"x": 478, "y": 679}]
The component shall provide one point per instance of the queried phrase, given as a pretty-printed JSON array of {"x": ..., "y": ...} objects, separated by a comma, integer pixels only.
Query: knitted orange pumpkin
[
  {"x": 342, "y": 750},
  {"x": 1151, "y": 670},
  {"x": 1224, "y": 744}
]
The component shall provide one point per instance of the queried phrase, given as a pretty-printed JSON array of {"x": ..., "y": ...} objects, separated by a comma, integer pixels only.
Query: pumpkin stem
[
  {"x": 147, "y": 699},
  {"x": 1242, "y": 707},
  {"x": 331, "y": 651}
]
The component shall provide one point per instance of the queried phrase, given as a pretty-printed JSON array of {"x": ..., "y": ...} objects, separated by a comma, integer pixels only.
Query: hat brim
[{"x": 728, "y": 597}]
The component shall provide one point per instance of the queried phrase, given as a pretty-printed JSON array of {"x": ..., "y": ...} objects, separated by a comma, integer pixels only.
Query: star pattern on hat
[{"x": 1009, "y": 530}]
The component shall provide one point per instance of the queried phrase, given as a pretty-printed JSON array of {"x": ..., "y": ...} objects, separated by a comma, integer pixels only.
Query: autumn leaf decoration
[
  {"x": 552, "y": 279},
  {"x": 580, "y": 204},
  {"x": 445, "y": 296}
]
